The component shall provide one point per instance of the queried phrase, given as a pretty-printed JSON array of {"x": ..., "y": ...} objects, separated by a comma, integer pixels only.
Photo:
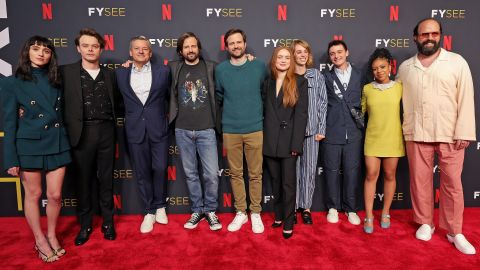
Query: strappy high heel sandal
[
  {"x": 385, "y": 225},
  {"x": 368, "y": 229},
  {"x": 59, "y": 251},
  {"x": 44, "y": 257}
]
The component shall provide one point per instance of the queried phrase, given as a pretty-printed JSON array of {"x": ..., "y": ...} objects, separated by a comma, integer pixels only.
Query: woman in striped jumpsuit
[{"x": 315, "y": 131}]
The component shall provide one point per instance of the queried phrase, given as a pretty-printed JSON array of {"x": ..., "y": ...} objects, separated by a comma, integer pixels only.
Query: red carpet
[{"x": 321, "y": 246}]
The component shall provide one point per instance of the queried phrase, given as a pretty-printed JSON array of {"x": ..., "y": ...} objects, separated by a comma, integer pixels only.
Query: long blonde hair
[{"x": 289, "y": 85}]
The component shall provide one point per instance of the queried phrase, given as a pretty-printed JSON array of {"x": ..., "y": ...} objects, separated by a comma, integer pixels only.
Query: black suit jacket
[
  {"x": 149, "y": 119},
  {"x": 73, "y": 111},
  {"x": 284, "y": 127},
  {"x": 340, "y": 123}
]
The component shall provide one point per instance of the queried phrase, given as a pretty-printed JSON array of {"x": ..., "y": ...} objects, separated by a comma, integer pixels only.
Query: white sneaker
[
  {"x": 425, "y": 232},
  {"x": 257, "y": 224},
  {"x": 461, "y": 244},
  {"x": 240, "y": 219},
  {"x": 147, "y": 224},
  {"x": 353, "y": 218},
  {"x": 161, "y": 216},
  {"x": 332, "y": 216}
]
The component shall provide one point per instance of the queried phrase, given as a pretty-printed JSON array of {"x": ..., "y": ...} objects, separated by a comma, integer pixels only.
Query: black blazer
[
  {"x": 339, "y": 118},
  {"x": 151, "y": 118},
  {"x": 284, "y": 127},
  {"x": 73, "y": 111}
]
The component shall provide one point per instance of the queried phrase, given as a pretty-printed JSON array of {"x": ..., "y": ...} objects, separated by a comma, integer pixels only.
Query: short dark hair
[
  {"x": 379, "y": 53},
  {"x": 415, "y": 30},
  {"x": 234, "y": 31},
  {"x": 182, "y": 39},
  {"x": 90, "y": 32},
  {"x": 24, "y": 69},
  {"x": 335, "y": 43}
]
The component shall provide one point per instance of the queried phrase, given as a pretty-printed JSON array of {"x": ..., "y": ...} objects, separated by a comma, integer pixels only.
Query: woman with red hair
[{"x": 285, "y": 120}]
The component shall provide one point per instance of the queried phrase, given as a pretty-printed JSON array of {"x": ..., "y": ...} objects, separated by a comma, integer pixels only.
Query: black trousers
[
  {"x": 149, "y": 161},
  {"x": 284, "y": 183},
  {"x": 343, "y": 173},
  {"x": 93, "y": 159}
]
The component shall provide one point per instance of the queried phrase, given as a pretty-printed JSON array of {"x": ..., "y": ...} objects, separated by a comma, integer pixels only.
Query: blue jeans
[{"x": 205, "y": 143}]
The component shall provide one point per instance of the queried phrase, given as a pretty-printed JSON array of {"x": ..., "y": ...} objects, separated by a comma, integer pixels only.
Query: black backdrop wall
[{"x": 364, "y": 25}]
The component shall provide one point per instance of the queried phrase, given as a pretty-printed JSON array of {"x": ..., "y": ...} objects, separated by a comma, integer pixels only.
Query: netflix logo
[
  {"x": 282, "y": 12},
  {"x": 166, "y": 12},
  {"x": 109, "y": 43},
  {"x": 47, "y": 13},
  {"x": 394, "y": 11}
]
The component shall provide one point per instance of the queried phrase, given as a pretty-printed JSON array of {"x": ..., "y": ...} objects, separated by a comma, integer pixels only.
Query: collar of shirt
[
  {"x": 345, "y": 72},
  {"x": 146, "y": 68}
]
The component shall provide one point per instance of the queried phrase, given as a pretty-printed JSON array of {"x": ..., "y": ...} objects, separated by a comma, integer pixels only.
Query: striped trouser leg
[{"x": 306, "y": 172}]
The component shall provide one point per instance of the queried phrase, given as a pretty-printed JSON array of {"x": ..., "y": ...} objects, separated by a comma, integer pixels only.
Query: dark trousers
[
  {"x": 93, "y": 159},
  {"x": 342, "y": 167},
  {"x": 284, "y": 182},
  {"x": 149, "y": 160}
]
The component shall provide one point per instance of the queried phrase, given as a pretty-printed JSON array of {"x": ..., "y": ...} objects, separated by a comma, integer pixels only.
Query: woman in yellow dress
[{"x": 381, "y": 101}]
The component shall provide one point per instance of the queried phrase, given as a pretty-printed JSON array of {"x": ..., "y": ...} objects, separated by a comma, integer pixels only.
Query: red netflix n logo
[
  {"x": 282, "y": 13},
  {"x": 166, "y": 12},
  {"x": 393, "y": 65},
  {"x": 337, "y": 37},
  {"x": 227, "y": 199},
  {"x": 172, "y": 173},
  {"x": 222, "y": 43},
  {"x": 447, "y": 42},
  {"x": 47, "y": 11},
  {"x": 109, "y": 43},
  {"x": 117, "y": 201},
  {"x": 394, "y": 13}
]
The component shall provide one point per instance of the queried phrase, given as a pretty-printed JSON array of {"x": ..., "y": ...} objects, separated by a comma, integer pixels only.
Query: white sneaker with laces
[
  {"x": 461, "y": 243},
  {"x": 332, "y": 216},
  {"x": 240, "y": 219},
  {"x": 147, "y": 224},
  {"x": 161, "y": 216},
  {"x": 425, "y": 232},
  {"x": 257, "y": 224},
  {"x": 353, "y": 218}
]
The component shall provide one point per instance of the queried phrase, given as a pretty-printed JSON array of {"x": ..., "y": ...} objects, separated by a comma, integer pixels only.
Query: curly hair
[{"x": 379, "y": 53}]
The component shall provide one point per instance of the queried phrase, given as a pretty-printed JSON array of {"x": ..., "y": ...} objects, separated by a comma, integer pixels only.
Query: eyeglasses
[{"x": 428, "y": 34}]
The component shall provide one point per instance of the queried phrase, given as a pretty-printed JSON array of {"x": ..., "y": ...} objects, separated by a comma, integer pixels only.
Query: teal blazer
[{"x": 39, "y": 130}]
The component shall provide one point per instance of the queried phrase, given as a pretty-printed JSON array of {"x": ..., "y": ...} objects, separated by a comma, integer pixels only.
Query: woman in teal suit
[{"x": 35, "y": 138}]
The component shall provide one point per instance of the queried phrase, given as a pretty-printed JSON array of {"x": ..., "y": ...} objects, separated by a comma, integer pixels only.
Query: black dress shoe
[
  {"x": 295, "y": 218},
  {"x": 83, "y": 236},
  {"x": 307, "y": 218},
  {"x": 276, "y": 224},
  {"x": 109, "y": 232},
  {"x": 287, "y": 235}
]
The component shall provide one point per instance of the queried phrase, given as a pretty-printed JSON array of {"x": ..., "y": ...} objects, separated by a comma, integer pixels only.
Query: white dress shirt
[{"x": 141, "y": 81}]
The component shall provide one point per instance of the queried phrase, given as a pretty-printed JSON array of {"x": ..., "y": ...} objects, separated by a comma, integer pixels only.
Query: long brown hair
[{"x": 290, "y": 93}]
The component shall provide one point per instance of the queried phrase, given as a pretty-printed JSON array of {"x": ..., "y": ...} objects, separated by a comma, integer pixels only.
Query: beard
[
  {"x": 242, "y": 53},
  {"x": 427, "y": 51},
  {"x": 191, "y": 57}
]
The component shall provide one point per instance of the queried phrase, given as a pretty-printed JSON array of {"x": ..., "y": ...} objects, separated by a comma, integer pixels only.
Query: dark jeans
[{"x": 203, "y": 142}]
